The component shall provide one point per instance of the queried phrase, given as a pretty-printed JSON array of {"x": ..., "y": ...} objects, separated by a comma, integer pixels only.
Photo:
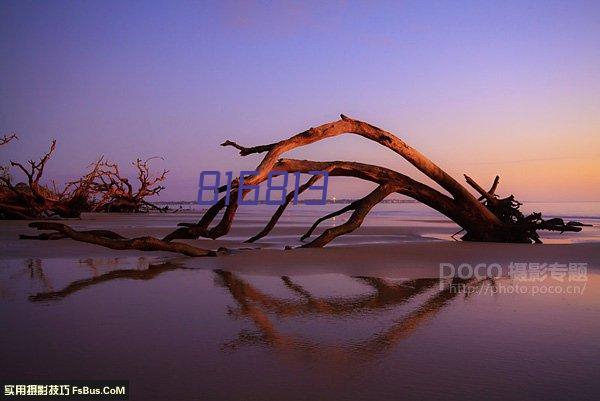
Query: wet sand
[{"x": 366, "y": 318}]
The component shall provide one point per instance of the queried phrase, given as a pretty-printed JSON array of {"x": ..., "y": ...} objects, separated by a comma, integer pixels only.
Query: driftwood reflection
[
  {"x": 267, "y": 311},
  {"x": 385, "y": 295},
  {"x": 34, "y": 271},
  {"x": 257, "y": 306},
  {"x": 149, "y": 273}
]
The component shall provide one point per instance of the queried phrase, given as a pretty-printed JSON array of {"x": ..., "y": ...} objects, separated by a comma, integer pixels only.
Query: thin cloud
[{"x": 540, "y": 159}]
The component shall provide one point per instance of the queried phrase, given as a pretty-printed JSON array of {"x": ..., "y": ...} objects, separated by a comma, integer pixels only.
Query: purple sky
[{"x": 480, "y": 87}]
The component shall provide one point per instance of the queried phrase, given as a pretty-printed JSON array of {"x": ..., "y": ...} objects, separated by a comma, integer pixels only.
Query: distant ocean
[{"x": 582, "y": 211}]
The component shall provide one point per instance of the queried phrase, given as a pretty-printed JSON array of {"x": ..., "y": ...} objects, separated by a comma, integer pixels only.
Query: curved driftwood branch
[
  {"x": 351, "y": 206},
  {"x": 361, "y": 208},
  {"x": 244, "y": 151},
  {"x": 60, "y": 235},
  {"x": 336, "y": 128},
  {"x": 348, "y": 125}
]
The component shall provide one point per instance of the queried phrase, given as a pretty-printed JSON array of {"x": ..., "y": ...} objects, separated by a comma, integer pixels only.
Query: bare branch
[
  {"x": 7, "y": 138},
  {"x": 361, "y": 209},
  {"x": 244, "y": 151},
  {"x": 351, "y": 206},
  {"x": 275, "y": 218}
]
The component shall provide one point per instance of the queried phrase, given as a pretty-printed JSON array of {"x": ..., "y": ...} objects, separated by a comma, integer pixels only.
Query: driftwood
[
  {"x": 279, "y": 212},
  {"x": 484, "y": 217},
  {"x": 113, "y": 240},
  {"x": 488, "y": 218},
  {"x": 117, "y": 194},
  {"x": 103, "y": 188},
  {"x": 35, "y": 200}
]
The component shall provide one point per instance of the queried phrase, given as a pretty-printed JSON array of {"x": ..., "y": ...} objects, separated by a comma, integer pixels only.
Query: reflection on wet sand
[
  {"x": 255, "y": 305},
  {"x": 259, "y": 307},
  {"x": 33, "y": 268},
  {"x": 149, "y": 273}
]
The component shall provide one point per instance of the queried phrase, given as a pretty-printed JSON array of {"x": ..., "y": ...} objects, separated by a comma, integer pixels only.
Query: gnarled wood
[
  {"x": 35, "y": 200},
  {"x": 494, "y": 219},
  {"x": 473, "y": 210},
  {"x": 109, "y": 241},
  {"x": 117, "y": 194},
  {"x": 488, "y": 218}
]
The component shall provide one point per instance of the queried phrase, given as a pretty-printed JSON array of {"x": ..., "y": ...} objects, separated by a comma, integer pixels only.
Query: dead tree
[
  {"x": 35, "y": 200},
  {"x": 7, "y": 138},
  {"x": 103, "y": 188},
  {"x": 484, "y": 217},
  {"x": 115, "y": 192}
]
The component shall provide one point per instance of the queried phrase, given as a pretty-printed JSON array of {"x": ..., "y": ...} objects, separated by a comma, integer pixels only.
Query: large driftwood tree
[{"x": 482, "y": 217}]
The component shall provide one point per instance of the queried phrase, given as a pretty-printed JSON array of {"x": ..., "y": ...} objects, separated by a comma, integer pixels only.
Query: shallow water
[
  {"x": 179, "y": 333},
  {"x": 213, "y": 329}
]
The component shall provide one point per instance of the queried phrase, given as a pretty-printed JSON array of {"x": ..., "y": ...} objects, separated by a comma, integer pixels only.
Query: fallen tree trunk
[
  {"x": 495, "y": 220},
  {"x": 113, "y": 240}
]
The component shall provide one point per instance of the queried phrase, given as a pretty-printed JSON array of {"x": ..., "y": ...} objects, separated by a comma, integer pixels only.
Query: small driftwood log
[{"x": 113, "y": 240}]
